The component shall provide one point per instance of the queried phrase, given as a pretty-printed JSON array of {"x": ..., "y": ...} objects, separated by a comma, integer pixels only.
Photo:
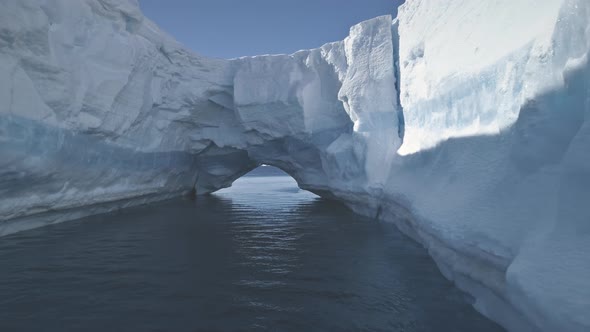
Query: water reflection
[{"x": 262, "y": 255}]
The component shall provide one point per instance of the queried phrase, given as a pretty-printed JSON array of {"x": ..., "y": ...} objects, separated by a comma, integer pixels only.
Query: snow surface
[
  {"x": 515, "y": 73},
  {"x": 465, "y": 122}
]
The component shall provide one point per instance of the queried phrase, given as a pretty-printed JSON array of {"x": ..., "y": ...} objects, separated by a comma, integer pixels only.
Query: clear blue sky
[{"x": 232, "y": 28}]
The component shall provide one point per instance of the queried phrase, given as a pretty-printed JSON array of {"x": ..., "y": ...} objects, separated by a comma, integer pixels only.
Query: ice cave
[{"x": 466, "y": 120}]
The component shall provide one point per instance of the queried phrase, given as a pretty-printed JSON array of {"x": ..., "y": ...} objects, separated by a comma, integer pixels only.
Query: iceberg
[{"x": 463, "y": 122}]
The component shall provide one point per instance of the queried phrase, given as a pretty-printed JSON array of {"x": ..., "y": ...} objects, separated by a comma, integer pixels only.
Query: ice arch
[
  {"x": 100, "y": 109},
  {"x": 105, "y": 110},
  {"x": 325, "y": 116}
]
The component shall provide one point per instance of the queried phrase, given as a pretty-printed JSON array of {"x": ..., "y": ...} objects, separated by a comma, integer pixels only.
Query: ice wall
[
  {"x": 493, "y": 168},
  {"x": 96, "y": 107},
  {"x": 469, "y": 65},
  {"x": 100, "y": 107},
  {"x": 520, "y": 82},
  {"x": 465, "y": 122}
]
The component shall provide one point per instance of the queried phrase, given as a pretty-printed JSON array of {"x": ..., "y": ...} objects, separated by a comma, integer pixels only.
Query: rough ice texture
[
  {"x": 510, "y": 201},
  {"x": 465, "y": 122}
]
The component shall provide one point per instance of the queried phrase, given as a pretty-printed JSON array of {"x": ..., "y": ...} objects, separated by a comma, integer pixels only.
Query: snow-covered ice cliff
[
  {"x": 496, "y": 99},
  {"x": 463, "y": 121}
]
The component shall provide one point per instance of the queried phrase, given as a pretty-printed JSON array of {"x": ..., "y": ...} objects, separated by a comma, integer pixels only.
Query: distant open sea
[{"x": 260, "y": 256}]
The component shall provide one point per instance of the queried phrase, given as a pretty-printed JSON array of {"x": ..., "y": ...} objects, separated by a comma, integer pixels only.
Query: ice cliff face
[
  {"x": 463, "y": 121},
  {"x": 496, "y": 99},
  {"x": 101, "y": 106}
]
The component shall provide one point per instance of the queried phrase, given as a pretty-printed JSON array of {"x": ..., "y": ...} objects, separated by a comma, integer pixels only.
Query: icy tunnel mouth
[
  {"x": 264, "y": 180},
  {"x": 267, "y": 170}
]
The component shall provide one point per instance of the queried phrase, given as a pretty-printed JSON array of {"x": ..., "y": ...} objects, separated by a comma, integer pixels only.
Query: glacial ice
[{"x": 465, "y": 122}]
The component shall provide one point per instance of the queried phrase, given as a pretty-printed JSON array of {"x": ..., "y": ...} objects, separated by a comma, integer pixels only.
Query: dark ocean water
[{"x": 262, "y": 255}]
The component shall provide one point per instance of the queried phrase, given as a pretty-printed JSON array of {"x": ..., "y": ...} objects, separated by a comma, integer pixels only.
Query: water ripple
[{"x": 262, "y": 255}]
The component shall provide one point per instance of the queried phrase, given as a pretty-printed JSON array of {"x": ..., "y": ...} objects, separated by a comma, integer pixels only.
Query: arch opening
[{"x": 263, "y": 180}]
